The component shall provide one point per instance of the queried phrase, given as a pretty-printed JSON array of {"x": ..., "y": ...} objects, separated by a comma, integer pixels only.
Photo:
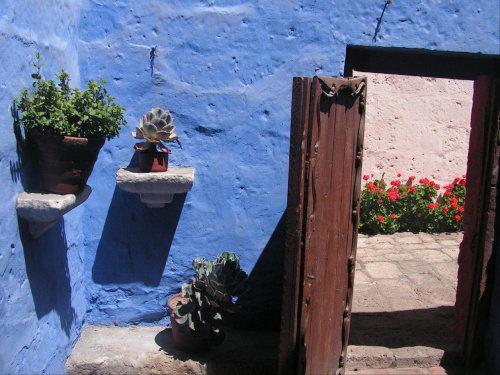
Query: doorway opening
[
  {"x": 468, "y": 329},
  {"x": 405, "y": 283}
]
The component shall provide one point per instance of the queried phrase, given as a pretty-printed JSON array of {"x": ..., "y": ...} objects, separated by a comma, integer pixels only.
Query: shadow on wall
[
  {"x": 261, "y": 305},
  {"x": 46, "y": 256},
  {"x": 136, "y": 240},
  {"x": 48, "y": 273},
  {"x": 23, "y": 170}
]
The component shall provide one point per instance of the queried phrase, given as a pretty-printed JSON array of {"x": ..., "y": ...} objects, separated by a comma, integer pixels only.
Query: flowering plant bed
[{"x": 411, "y": 207}]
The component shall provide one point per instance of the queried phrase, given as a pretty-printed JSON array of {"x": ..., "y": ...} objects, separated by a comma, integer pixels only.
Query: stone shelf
[
  {"x": 43, "y": 210},
  {"x": 156, "y": 188}
]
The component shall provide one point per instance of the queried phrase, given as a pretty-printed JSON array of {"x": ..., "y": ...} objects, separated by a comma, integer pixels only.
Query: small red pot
[
  {"x": 184, "y": 340},
  {"x": 153, "y": 161}
]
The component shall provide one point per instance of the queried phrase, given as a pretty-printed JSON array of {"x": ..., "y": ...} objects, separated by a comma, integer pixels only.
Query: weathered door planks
[{"x": 324, "y": 187}]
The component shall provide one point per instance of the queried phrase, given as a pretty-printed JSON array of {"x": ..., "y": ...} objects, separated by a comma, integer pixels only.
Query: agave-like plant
[
  {"x": 210, "y": 295},
  {"x": 155, "y": 127}
]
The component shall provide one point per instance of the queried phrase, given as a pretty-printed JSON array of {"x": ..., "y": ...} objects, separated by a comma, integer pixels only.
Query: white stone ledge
[
  {"x": 43, "y": 210},
  {"x": 156, "y": 188}
]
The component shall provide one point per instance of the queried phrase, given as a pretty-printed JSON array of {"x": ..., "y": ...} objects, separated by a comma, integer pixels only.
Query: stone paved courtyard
[{"x": 404, "y": 296}]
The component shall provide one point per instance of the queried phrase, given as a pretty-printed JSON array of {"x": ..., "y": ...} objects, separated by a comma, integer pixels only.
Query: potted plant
[
  {"x": 206, "y": 306},
  {"x": 155, "y": 127},
  {"x": 67, "y": 127}
]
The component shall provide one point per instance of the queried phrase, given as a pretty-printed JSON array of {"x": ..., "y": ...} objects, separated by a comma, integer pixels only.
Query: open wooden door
[{"x": 326, "y": 146}]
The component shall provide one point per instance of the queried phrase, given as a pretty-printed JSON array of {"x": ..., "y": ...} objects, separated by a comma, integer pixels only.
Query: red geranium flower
[
  {"x": 380, "y": 218},
  {"x": 366, "y": 177},
  {"x": 431, "y": 206},
  {"x": 460, "y": 209},
  {"x": 424, "y": 181},
  {"x": 393, "y": 216},
  {"x": 411, "y": 178},
  {"x": 446, "y": 209},
  {"x": 457, "y": 218}
]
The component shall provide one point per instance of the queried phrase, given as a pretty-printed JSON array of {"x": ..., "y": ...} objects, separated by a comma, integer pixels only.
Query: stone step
[
  {"x": 361, "y": 357},
  {"x": 150, "y": 350}
]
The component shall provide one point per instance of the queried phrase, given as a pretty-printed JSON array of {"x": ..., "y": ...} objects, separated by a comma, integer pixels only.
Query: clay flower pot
[
  {"x": 184, "y": 339},
  {"x": 65, "y": 162},
  {"x": 153, "y": 161}
]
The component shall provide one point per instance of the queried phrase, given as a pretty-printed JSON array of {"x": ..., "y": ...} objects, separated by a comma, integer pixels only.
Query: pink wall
[{"x": 417, "y": 126}]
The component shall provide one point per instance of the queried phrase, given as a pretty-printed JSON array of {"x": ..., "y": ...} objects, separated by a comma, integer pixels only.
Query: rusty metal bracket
[{"x": 332, "y": 91}]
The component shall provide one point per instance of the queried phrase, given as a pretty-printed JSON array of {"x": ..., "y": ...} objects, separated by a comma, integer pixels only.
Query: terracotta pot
[
  {"x": 184, "y": 340},
  {"x": 65, "y": 162},
  {"x": 153, "y": 161}
]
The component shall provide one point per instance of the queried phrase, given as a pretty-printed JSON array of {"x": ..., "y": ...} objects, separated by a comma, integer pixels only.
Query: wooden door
[{"x": 326, "y": 146}]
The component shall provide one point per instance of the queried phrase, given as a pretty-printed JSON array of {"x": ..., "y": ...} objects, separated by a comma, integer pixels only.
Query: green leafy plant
[
  {"x": 210, "y": 297},
  {"x": 410, "y": 206},
  {"x": 59, "y": 109},
  {"x": 155, "y": 127}
]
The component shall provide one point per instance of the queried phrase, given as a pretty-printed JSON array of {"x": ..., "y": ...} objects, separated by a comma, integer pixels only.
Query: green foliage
[
  {"x": 211, "y": 292},
  {"x": 409, "y": 207},
  {"x": 155, "y": 127},
  {"x": 62, "y": 110}
]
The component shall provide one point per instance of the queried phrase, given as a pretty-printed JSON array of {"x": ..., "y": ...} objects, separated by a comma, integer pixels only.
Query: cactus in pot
[
  {"x": 155, "y": 127},
  {"x": 207, "y": 306}
]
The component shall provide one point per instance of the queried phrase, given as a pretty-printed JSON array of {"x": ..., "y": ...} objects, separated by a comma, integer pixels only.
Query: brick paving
[{"x": 402, "y": 313}]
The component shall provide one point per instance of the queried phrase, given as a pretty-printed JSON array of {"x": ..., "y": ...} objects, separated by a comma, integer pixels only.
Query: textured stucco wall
[
  {"x": 224, "y": 69},
  {"x": 417, "y": 126},
  {"x": 42, "y": 293}
]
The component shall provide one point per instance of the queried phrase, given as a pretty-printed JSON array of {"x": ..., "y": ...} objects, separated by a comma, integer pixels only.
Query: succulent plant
[
  {"x": 211, "y": 293},
  {"x": 155, "y": 127}
]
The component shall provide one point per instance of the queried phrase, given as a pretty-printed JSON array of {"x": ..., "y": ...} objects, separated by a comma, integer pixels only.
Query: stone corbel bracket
[
  {"x": 43, "y": 210},
  {"x": 156, "y": 188}
]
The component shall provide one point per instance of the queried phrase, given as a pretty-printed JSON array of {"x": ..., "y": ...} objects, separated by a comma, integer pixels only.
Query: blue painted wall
[
  {"x": 224, "y": 69},
  {"x": 42, "y": 285}
]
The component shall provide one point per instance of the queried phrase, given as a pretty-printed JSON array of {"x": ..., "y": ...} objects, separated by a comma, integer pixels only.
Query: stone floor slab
[
  {"x": 418, "y": 284},
  {"x": 382, "y": 270}
]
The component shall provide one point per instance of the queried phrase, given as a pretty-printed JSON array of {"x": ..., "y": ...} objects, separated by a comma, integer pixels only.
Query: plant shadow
[
  {"x": 249, "y": 352},
  {"x": 48, "y": 273},
  {"x": 23, "y": 169},
  {"x": 133, "y": 246}
]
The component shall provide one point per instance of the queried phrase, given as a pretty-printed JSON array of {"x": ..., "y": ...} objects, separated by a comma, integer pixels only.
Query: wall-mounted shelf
[
  {"x": 43, "y": 210},
  {"x": 156, "y": 188}
]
